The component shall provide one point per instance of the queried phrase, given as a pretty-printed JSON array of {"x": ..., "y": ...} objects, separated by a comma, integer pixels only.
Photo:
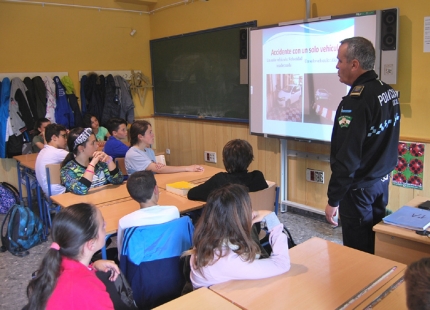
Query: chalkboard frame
[{"x": 159, "y": 108}]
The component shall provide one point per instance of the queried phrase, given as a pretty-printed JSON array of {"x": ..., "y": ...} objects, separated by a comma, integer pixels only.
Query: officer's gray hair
[{"x": 361, "y": 49}]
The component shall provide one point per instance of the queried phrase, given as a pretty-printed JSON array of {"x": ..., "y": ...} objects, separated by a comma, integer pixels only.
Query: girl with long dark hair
[{"x": 65, "y": 278}]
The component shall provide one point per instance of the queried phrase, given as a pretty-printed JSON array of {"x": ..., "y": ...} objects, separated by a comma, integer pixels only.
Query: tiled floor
[{"x": 15, "y": 272}]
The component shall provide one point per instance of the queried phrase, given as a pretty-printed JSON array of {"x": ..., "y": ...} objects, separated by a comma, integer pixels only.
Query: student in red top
[{"x": 66, "y": 279}]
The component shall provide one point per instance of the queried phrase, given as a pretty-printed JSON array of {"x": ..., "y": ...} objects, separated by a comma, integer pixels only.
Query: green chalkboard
[{"x": 196, "y": 75}]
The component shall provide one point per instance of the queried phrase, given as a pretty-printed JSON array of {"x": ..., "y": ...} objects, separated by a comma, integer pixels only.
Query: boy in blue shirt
[{"x": 117, "y": 128}]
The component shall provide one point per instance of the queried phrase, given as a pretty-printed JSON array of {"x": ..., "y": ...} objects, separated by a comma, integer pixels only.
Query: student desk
[
  {"x": 26, "y": 157},
  {"x": 108, "y": 193},
  {"x": 114, "y": 200},
  {"x": 401, "y": 244},
  {"x": 114, "y": 210},
  {"x": 197, "y": 177},
  {"x": 202, "y": 298},
  {"x": 323, "y": 275},
  {"x": 99, "y": 195},
  {"x": 390, "y": 296}
]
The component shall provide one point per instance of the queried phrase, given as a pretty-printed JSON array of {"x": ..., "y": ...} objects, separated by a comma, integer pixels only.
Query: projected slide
[{"x": 299, "y": 89}]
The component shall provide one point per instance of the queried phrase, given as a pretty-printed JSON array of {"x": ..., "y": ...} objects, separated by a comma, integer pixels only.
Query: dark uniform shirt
[{"x": 365, "y": 136}]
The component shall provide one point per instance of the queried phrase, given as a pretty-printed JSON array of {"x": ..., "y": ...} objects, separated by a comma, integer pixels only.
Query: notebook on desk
[
  {"x": 410, "y": 218},
  {"x": 179, "y": 188}
]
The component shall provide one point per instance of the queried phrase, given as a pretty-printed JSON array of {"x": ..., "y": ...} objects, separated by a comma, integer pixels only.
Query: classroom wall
[
  {"x": 412, "y": 84},
  {"x": 413, "y": 63},
  {"x": 36, "y": 38},
  {"x": 187, "y": 141}
]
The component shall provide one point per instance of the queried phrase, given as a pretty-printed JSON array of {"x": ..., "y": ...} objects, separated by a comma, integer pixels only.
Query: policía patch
[
  {"x": 344, "y": 121},
  {"x": 357, "y": 90}
]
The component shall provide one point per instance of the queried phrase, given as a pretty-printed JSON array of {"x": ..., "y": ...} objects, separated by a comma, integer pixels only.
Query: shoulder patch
[
  {"x": 344, "y": 121},
  {"x": 357, "y": 90}
]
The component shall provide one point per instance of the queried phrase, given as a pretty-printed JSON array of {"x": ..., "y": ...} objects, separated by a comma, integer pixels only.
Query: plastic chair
[{"x": 150, "y": 260}]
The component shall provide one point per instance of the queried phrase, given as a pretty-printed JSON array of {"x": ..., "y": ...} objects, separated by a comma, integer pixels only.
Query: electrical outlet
[
  {"x": 316, "y": 176},
  {"x": 167, "y": 151},
  {"x": 210, "y": 157}
]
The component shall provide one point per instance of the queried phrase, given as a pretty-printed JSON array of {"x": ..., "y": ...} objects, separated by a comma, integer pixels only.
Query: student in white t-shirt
[
  {"x": 143, "y": 188},
  {"x": 53, "y": 152}
]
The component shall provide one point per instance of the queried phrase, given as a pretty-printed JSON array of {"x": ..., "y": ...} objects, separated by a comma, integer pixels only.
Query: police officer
[{"x": 363, "y": 146}]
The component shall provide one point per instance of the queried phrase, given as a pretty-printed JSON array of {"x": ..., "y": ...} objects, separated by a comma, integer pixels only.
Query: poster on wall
[{"x": 410, "y": 165}]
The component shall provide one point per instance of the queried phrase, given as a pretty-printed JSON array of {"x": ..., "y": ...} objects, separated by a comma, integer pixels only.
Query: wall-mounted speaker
[
  {"x": 243, "y": 55},
  {"x": 389, "y": 44},
  {"x": 389, "y": 29}
]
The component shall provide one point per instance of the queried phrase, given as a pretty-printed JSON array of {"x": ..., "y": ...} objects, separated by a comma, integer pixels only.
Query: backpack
[
  {"x": 120, "y": 291},
  {"x": 265, "y": 241},
  {"x": 291, "y": 242},
  {"x": 9, "y": 197},
  {"x": 24, "y": 230}
]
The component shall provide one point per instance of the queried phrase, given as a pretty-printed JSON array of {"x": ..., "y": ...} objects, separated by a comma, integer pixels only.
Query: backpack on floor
[
  {"x": 9, "y": 197},
  {"x": 24, "y": 230}
]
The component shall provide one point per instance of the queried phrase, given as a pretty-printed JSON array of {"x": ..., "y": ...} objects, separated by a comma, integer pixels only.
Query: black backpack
[
  {"x": 21, "y": 230},
  {"x": 119, "y": 291},
  {"x": 265, "y": 241}
]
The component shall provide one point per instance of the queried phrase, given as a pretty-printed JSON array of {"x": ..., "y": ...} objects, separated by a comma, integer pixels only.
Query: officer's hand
[{"x": 330, "y": 212}]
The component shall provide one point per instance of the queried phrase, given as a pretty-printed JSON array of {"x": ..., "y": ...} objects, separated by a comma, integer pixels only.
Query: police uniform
[{"x": 363, "y": 153}]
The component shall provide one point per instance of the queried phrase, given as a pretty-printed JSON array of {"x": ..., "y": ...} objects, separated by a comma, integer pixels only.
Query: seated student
[
  {"x": 101, "y": 133},
  {"x": 223, "y": 247},
  {"x": 53, "y": 152},
  {"x": 118, "y": 130},
  {"x": 38, "y": 141},
  {"x": 237, "y": 155},
  {"x": 143, "y": 188},
  {"x": 417, "y": 280},
  {"x": 66, "y": 279},
  {"x": 140, "y": 156},
  {"x": 85, "y": 167}
]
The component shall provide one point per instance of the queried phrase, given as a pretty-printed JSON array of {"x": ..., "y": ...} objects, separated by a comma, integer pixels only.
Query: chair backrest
[
  {"x": 266, "y": 199},
  {"x": 53, "y": 175},
  {"x": 150, "y": 260},
  {"x": 120, "y": 163}
]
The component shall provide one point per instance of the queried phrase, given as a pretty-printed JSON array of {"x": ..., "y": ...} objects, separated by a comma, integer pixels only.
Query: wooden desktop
[
  {"x": 198, "y": 299},
  {"x": 196, "y": 177},
  {"x": 401, "y": 244},
  {"x": 114, "y": 210},
  {"x": 96, "y": 196},
  {"x": 392, "y": 295},
  {"x": 108, "y": 193},
  {"x": 323, "y": 275}
]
